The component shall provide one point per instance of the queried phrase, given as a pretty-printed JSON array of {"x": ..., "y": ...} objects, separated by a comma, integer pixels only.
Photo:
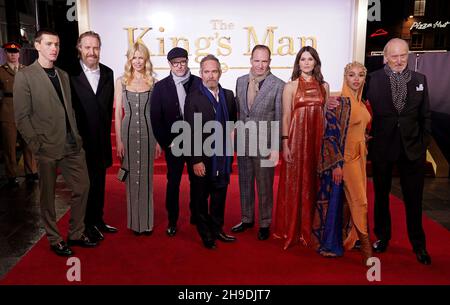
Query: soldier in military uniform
[{"x": 7, "y": 123}]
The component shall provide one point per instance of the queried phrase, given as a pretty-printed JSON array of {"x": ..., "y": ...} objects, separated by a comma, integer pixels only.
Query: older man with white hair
[{"x": 401, "y": 133}]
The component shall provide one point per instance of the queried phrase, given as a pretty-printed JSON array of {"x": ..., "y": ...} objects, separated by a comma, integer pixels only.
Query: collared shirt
[
  {"x": 214, "y": 93},
  {"x": 92, "y": 75},
  {"x": 13, "y": 67}
]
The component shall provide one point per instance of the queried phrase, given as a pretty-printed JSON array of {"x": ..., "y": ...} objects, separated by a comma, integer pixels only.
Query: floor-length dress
[
  {"x": 139, "y": 145},
  {"x": 354, "y": 171},
  {"x": 297, "y": 190}
]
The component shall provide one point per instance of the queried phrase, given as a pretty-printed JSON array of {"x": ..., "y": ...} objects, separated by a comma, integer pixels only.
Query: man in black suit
[
  {"x": 211, "y": 168},
  {"x": 93, "y": 97},
  {"x": 168, "y": 99},
  {"x": 401, "y": 133}
]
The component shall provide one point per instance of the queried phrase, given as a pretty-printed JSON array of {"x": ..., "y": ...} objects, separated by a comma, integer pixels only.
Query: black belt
[{"x": 7, "y": 94}]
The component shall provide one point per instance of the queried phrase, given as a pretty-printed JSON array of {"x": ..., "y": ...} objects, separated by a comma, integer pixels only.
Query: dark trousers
[
  {"x": 412, "y": 181},
  {"x": 175, "y": 167},
  {"x": 96, "y": 197},
  {"x": 210, "y": 218}
]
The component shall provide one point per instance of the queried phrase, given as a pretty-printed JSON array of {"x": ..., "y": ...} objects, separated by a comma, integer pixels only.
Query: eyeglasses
[{"x": 178, "y": 64}]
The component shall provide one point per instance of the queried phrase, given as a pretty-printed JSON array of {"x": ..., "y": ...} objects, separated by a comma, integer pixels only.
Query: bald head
[{"x": 396, "y": 54}]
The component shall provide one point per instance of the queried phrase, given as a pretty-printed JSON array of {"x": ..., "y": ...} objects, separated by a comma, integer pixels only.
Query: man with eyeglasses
[{"x": 168, "y": 99}]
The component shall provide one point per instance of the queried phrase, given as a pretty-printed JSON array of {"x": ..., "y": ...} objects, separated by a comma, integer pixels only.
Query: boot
[{"x": 366, "y": 247}]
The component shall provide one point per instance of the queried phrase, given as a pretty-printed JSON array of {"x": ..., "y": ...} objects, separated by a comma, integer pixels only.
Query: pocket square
[{"x": 419, "y": 88}]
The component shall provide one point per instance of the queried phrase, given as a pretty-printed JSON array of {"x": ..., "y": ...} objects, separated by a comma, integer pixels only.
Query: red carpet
[{"x": 123, "y": 258}]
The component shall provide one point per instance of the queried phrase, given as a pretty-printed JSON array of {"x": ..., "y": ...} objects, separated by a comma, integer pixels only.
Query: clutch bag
[{"x": 122, "y": 174}]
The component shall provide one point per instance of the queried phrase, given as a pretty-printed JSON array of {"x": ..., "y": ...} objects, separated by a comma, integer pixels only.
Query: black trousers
[
  {"x": 210, "y": 218},
  {"x": 96, "y": 197},
  {"x": 412, "y": 175},
  {"x": 175, "y": 167}
]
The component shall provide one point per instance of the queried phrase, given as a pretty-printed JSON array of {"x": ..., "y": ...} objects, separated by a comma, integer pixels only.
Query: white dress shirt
[{"x": 92, "y": 75}]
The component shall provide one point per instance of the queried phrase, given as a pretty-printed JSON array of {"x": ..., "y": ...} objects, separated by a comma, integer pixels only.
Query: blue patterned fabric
[
  {"x": 221, "y": 162},
  {"x": 327, "y": 226}
]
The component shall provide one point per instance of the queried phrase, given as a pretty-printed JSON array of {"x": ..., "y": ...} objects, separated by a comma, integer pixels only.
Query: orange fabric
[
  {"x": 297, "y": 189},
  {"x": 354, "y": 169}
]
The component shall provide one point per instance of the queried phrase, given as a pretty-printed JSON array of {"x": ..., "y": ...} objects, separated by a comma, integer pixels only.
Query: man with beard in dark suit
[
  {"x": 93, "y": 98},
  {"x": 212, "y": 169}
]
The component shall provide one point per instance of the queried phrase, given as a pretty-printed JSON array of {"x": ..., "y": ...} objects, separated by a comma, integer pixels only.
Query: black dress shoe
[
  {"x": 171, "y": 231},
  {"x": 83, "y": 241},
  {"x": 103, "y": 227},
  {"x": 423, "y": 257},
  {"x": 242, "y": 226},
  {"x": 380, "y": 246},
  {"x": 225, "y": 238},
  {"x": 12, "y": 183},
  {"x": 263, "y": 233},
  {"x": 357, "y": 245},
  {"x": 94, "y": 233},
  {"x": 61, "y": 249},
  {"x": 209, "y": 244}
]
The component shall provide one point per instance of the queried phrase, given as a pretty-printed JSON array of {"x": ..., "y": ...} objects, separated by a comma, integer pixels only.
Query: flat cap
[
  {"x": 177, "y": 52},
  {"x": 12, "y": 47}
]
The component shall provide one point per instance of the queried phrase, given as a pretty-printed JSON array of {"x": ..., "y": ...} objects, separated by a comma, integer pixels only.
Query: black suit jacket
[
  {"x": 93, "y": 112},
  {"x": 197, "y": 102},
  {"x": 165, "y": 108},
  {"x": 409, "y": 131}
]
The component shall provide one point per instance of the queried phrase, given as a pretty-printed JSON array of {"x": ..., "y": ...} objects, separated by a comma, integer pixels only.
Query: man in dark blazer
[
  {"x": 168, "y": 99},
  {"x": 401, "y": 131},
  {"x": 45, "y": 118},
  {"x": 92, "y": 86},
  {"x": 211, "y": 168}
]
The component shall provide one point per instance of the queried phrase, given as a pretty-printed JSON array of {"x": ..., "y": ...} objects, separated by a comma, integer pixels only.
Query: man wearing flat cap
[
  {"x": 168, "y": 99},
  {"x": 7, "y": 124}
]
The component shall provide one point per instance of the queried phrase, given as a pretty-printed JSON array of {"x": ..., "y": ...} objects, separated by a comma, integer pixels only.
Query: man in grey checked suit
[{"x": 258, "y": 96}]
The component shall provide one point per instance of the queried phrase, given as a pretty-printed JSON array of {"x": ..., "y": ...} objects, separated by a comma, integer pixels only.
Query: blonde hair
[
  {"x": 351, "y": 65},
  {"x": 148, "y": 73}
]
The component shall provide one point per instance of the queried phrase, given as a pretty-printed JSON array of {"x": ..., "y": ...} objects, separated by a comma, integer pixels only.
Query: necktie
[{"x": 251, "y": 92}]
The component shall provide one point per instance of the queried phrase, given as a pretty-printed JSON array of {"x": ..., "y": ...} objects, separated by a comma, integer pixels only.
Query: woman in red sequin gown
[{"x": 302, "y": 130}]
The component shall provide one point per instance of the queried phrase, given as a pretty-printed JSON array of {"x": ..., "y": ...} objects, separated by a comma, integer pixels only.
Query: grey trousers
[
  {"x": 74, "y": 171},
  {"x": 250, "y": 170}
]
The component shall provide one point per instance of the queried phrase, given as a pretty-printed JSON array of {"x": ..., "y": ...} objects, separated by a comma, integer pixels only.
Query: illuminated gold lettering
[{"x": 267, "y": 40}]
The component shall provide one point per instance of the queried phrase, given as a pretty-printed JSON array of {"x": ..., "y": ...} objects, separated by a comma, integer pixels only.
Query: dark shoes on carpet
[
  {"x": 104, "y": 228},
  {"x": 380, "y": 246},
  {"x": 209, "y": 244},
  {"x": 423, "y": 257},
  {"x": 263, "y": 233},
  {"x": 83, "y": 241},
  {"x": 61, "y": 249},
  {"x": 171, "y": 231},
  {"x": 225, "y": 238},
  {"x": 94, "y": 233},
  {"x": 242, "y": 226}
]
